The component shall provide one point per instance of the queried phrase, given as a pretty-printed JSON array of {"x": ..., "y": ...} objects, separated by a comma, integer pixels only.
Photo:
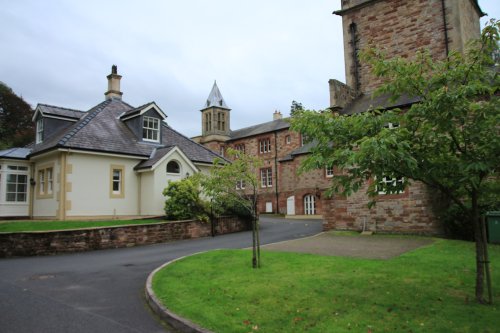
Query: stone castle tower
[{"x": 399, "y": 28}]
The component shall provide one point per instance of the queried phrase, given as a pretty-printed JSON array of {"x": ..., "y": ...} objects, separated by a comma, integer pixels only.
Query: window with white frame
[
  {"x": 39, "y": 130},
  {"x": 390, "y": 185},
  {"x": 329, "y": 171},
  {"x": 240, "y": 147},
  {"x": 288, "y": 139},
  {"x": 117, "y": 181},
  {"x": 391, "y": 125},
  {"x": 117, "y": 189},
  {"x": 304, "y": 139},
  {"x": 265, "y": 145},
  {"x": 16, "y": 183},
  {"x": 151, "y": 129},
  {"x": 41, "y": 181},
  {"x": 240, "y": 185},
  {"x": 266, "y": 177},
  {"x": 45, "y": 182},
  {"x": 309, "y": 204}
]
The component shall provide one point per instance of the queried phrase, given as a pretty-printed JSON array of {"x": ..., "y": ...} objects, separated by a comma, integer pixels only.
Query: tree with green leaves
[
  {"x": 296, "y": 106},
  {"x": 16, "y": 127},
  {"x": 234, "y": 185},
  {"x": 449, "y": 140}
]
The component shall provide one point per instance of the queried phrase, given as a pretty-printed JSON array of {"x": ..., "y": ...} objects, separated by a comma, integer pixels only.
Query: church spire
[
  {"x": 215, "y": 98},
  {"x": 215, "y": 115}
]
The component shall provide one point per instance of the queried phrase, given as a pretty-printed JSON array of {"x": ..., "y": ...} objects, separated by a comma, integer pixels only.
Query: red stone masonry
[
  {"x": 399, "y": 28},
  {"x": 64, "y": 241}
]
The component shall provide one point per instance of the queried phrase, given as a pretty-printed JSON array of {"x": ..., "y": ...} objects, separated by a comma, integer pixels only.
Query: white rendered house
[{"x": 112, "y": 161}]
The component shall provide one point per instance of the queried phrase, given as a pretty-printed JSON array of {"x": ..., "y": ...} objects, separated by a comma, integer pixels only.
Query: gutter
[{"x": 342, "y": 12}]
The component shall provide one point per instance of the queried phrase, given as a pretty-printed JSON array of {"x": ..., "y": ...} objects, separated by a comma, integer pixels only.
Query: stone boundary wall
[{"x": 34, "y": 243}]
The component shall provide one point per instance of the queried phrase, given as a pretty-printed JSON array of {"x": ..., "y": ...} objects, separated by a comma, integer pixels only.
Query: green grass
[
  {"x": 427, "y": 290},
  {"x": 20, "y": 226}
]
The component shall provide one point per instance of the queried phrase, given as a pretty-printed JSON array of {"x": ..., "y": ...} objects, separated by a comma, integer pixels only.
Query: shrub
[{"x": 183, "y": 200}]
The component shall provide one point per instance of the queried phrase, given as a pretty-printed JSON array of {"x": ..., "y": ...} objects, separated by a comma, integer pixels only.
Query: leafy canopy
[
  {"x": 16, "y": 127},
  {"x": 449, "y": 140},
  {"x": 222, "y": 183}
]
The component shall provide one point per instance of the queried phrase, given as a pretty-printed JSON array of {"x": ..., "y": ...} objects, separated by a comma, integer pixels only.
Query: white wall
[
  {"x": 154, "y": 182},
  {"x": 90, "y": 186},
  {"x": 46, "y": 207}
]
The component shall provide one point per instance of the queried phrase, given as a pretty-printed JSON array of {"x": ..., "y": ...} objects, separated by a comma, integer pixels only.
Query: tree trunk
[
  {"x": 258, "y": 242},
  {"x": 254, "y": 233},
  {"x": 479, "y": 249}
]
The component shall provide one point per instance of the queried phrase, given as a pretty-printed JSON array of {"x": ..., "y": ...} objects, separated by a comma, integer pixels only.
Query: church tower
[
  {"x": 215, "y": 121},
  {"x": 399, "y": 28}
]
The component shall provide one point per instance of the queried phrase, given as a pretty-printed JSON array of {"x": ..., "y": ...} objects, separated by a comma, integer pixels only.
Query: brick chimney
[
  {"x": 277, "y": 115},
  {"x": 114, "y": 84}
]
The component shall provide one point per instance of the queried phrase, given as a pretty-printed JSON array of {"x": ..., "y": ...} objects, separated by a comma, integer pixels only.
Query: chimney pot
[
  {"x": 277, "y": 115},
  {"x": 113, "y": 84}
]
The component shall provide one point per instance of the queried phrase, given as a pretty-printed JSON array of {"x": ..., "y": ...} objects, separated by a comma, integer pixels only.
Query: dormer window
[
  {"x": 39, "y": 130},
  {"x": 151, "y": 129}
]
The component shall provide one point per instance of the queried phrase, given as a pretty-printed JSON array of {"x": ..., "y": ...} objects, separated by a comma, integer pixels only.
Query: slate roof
[
  {"x": 270, "y": 126},
  {"x": 368, "y": 102},
  {"x": 136, "y": 111},
  {"x": 15, "y": 153},
  {"x": 215, "y": 98},
  {"x": 101, "y": 130},
  {"x": 299, "y": 151},
  {"x": 60, "y": 112},
  {"x": 156, "y": 155}
]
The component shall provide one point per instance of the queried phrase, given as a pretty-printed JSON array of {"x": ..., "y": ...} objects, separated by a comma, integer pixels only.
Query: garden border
[
  {"x": 34, "y": 243},
  {"x": 177, "y": 322}
]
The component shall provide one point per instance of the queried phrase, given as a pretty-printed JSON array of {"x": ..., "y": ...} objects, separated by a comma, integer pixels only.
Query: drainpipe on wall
[
  {"x": 32, "y": 189},
  {"x": 443, "y": 7},
  {"x": 276, "y": 171}
]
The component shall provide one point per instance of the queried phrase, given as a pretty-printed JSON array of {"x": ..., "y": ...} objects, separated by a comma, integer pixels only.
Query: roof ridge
[
  {"x": 257, "y": 125},
  {"x": 142, "y": 106},
  {"x": 82, "y": 123},
  {"x": 61, "y": 107}
]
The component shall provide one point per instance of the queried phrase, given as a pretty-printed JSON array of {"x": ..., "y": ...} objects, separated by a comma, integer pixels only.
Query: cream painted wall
[
  {"x": 90, "y": 186},
  {"x": 47, "y": 207},
  {"x": 153, "y": 183},
  {"x": 147, "y": 183}
]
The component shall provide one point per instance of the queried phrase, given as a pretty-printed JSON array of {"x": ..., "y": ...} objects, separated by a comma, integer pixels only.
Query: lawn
[
  {"x": 19, "y": 226},
  {"x": 427, "y": 290}
]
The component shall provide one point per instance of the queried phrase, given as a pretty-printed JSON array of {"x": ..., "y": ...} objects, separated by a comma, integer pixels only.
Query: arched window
[
  {"x": 173, "y": 167},
  {"x": 309, "y": 204}
]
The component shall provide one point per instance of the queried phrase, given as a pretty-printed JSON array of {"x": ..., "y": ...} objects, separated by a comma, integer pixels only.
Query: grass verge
[
  {"x": 427, "y": 290},
  {"x": 20, "y": 226}
]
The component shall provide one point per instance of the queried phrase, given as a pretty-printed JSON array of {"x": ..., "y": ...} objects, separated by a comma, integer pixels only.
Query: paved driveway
[
  {"x": 371, "y": 247},
  {"x": 102, "y": 291}
]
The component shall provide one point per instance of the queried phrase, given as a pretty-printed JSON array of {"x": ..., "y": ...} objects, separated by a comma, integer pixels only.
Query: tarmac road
[{"x": 102, "y": 291}]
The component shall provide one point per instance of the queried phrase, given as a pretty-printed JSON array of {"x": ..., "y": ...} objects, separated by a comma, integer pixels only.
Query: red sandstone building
[{"x": 400, "y": 28}]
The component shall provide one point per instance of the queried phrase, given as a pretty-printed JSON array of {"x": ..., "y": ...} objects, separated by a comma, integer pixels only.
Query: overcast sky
[{"x": 263, "y": 53}]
